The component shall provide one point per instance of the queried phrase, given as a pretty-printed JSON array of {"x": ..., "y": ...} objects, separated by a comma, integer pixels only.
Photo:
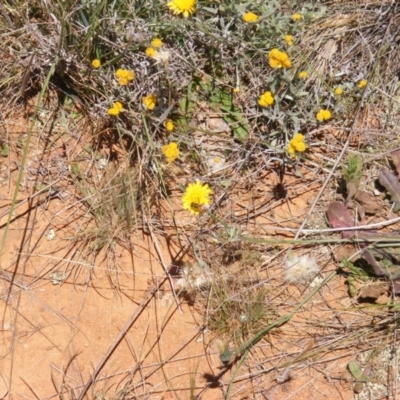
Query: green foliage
[
  {"x": 358, "y": 375},
  {"x": 354, "y": 275},
  {"x": 352, "y": 172},
  {"x": 4, "y": 150},
  {"x": 222, "y": 100}
]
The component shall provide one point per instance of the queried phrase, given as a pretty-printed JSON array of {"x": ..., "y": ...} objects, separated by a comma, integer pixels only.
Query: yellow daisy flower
[
  {"x": 296, "y": 17},
  {"x": 118, "y": 105},
  {"x": 120, "y": 73},
  {"x": 323, "y": 115},
  {"x": 196, "y": 195},
  {"x": 302, "y": 75},
  {"x": 250, "y": 17},
  {"x": 96, "y": 63},
  {"x": 362, "y": 83},
  {"x": 124, "y": 76},
  {"x": 185, "y": 7},
  {"x": 156, "y": 43},
  {"x": 300, "y": 146},
  {"x": 296, "y": 144},
  {"x": 150, "y": 52},
  {"x": 266, "y": 99},
  {"x": 291, "y": 150},
  {"x": 169, "y": 125},
  {"x": 338, "y": 91},
  {"x": 298, "y": 137},
  {"x": 115, "y": 109},
  {"x": 289, "y": 40},
  {"x": 170, "y": 151},
  {"x": 149, "y": 101},
  {"x": 278, "y": 59}
]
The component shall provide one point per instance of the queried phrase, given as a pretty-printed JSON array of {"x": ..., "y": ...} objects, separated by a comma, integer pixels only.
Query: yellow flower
[
  {"x": 266, "y": 99},
  {"x": 323, "y": 115},
  {"x": 150, "y": 52},
  {"x": 185, "y": 7},
  {"x": 278, "y": 59},
  {"x": 156, "y": 43},
  {"x": 362, "y": 83},
  {"x": 302, "y": 75},
  {"x": 300, "y": 147},
  {"x": 298, "y": 137},
  {"x": 169, "y": 125},
  {"x": 249, "y": 17},
  {"x": 289, "y": 40},
  {"x": 236, "y": 90},
  {"x": 296, "y": 144},
  {"x": 338, "y": 91},
  {"x": 96, "y": 63},
  {"x": 296, "y": 17},
  {"x": 124, "y": 76},
  {"x": 115, "y": 109},
  {"x": 291, "y": 150},
  {"x": 121, "y": 73},
  {"x": 118, "y": 105},
  {"x": 149, "y": 101},
  {"x": 196, "y": 196},
  {"x": 170, "y": 151}
]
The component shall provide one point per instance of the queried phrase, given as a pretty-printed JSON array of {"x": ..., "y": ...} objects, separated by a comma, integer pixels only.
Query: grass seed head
[{"x": 300, "y": 269}]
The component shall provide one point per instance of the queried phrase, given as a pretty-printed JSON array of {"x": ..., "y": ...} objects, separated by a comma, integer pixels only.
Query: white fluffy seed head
[
  {"x": 193, "y": 278},
  {"x": 300, "y": 269}
]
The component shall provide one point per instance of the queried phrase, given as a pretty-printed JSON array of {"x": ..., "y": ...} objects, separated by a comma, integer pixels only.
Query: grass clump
[
  {"x": 236, "y": 315},
  {"x": 113, "y": 201}
]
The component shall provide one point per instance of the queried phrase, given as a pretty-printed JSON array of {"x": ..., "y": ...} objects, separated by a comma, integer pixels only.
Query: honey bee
[{"x": 199, "y": 207}]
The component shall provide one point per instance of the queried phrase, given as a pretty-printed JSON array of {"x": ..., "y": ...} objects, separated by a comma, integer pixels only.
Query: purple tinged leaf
[
  {"x": 358, "y": 387},
  {"x": 339, "y": 217},
  {"x": 396, "y": 160},
  {"x": 392, "y": 185},
  {"x": 371, "y": 261},
  {"x": 396, "y": 286}
]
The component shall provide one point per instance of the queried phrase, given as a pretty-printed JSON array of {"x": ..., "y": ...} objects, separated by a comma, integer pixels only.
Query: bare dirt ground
[
  {"x": 60, "y": 314},
  {"x": 113, "y": 328}
]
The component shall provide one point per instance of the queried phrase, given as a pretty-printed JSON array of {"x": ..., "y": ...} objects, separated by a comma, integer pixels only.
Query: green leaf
[
  {"x": 4, "y": 151},
  {"x": 355, "y": 369},
  {"x": 75, "y": 169},
  {"x": 353, "y": 171},
  {"x": 355, "y": 271},
  {"x": 222, "y": 100},
  {"x": 352, "y": 288},
  {"x": 186, "y": 104}
]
